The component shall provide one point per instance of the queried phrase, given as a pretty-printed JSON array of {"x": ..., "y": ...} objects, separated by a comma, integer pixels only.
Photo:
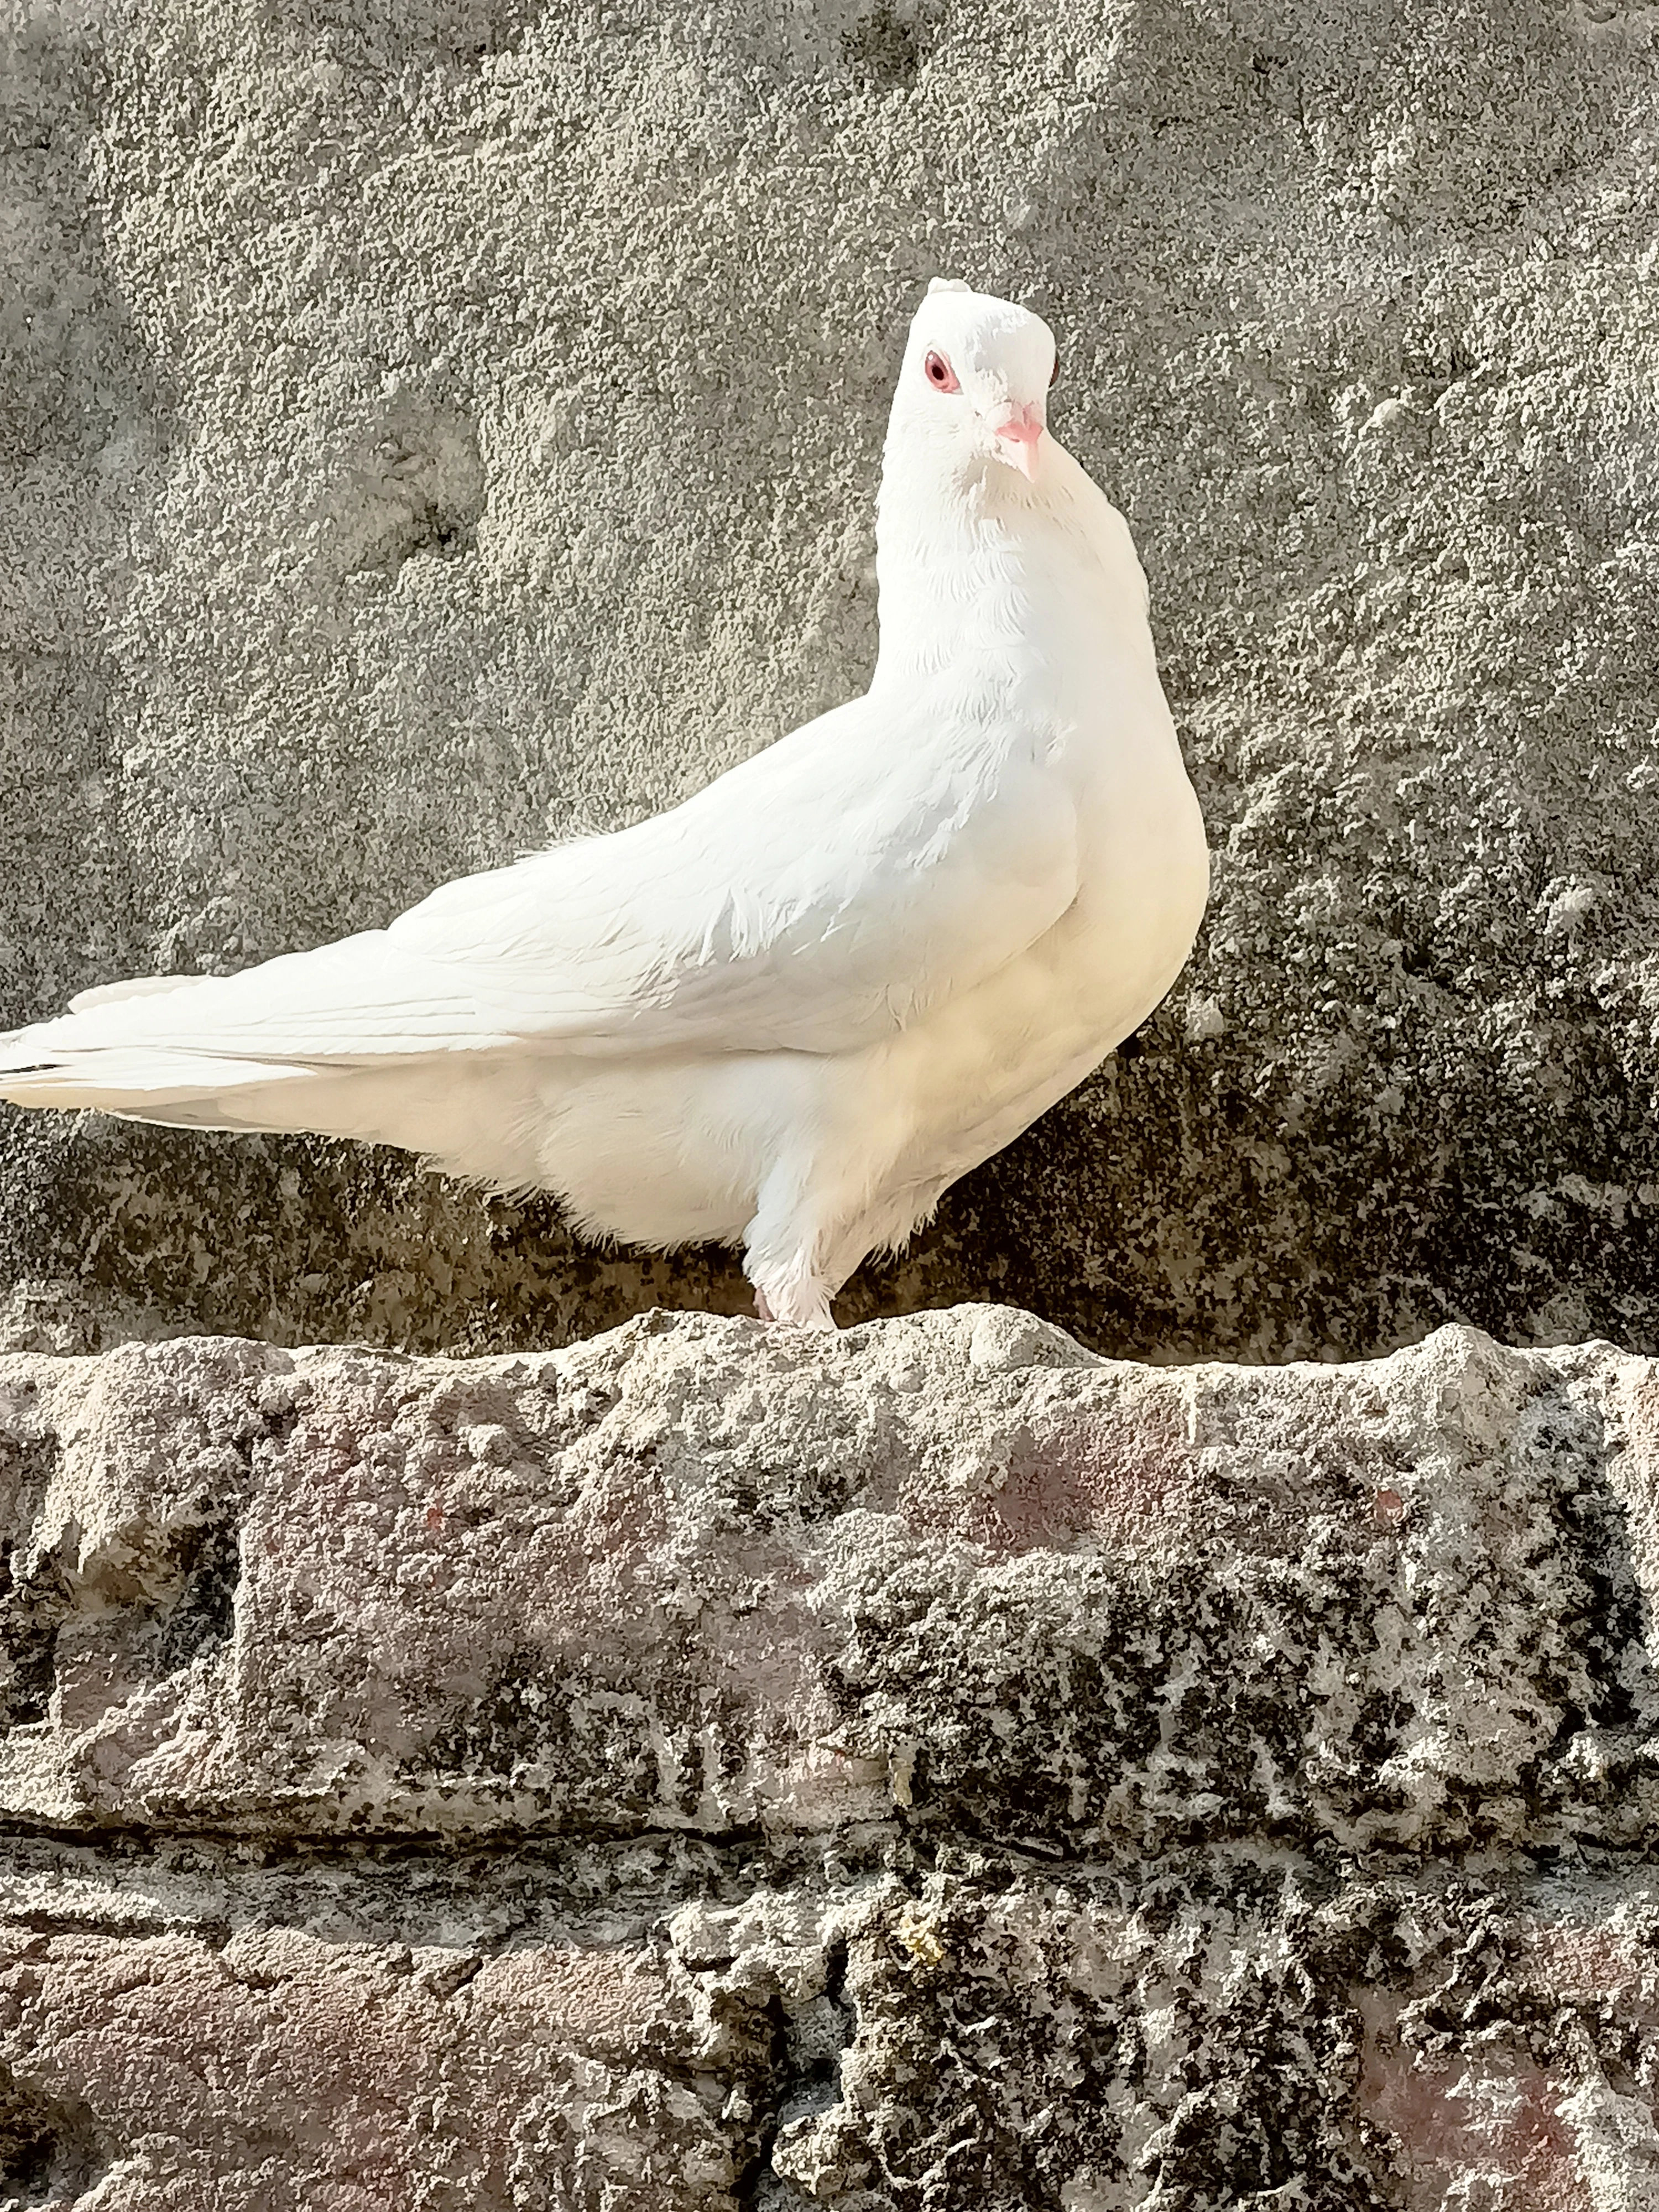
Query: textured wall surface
[
  {"x": 937, "y": 1770},
  {"x": 426, "y": 428}
]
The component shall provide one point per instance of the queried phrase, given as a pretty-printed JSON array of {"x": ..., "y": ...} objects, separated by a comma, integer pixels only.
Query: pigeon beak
[{"x": 1016, "y": 441}]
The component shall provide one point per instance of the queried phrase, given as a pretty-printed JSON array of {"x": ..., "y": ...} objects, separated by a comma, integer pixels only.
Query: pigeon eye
[
  {"x": 1054, "y": 373},
  {"x": 940, "y": 373}
]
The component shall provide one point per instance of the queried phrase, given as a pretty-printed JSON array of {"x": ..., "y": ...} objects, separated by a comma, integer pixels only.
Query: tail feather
[
  {"x": 354, "y": 1040},
  {"x": 342, "y": 1004},
  {"x": 478, "y": 1116},
  {"x": 194, "y": 1049},
  {"x": 189, "y": 1089}
]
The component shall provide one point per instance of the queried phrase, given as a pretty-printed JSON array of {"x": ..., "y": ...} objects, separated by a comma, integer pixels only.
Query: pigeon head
[{"x": 974, "y": 389}]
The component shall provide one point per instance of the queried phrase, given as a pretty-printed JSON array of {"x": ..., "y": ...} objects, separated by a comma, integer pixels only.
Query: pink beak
[{"x": 1016, "y": 441}]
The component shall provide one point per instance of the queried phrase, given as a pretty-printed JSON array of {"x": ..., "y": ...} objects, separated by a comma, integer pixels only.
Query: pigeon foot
[{"x": 791, "y": 1302}]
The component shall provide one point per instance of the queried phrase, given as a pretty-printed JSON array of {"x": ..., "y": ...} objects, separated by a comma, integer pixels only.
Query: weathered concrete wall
[
  {"x": 428, "y": 429},
  {"x": 930, "y": 1771}
]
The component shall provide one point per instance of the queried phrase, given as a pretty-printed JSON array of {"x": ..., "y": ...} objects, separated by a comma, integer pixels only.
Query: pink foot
[{"x": 762, "y": 1309}]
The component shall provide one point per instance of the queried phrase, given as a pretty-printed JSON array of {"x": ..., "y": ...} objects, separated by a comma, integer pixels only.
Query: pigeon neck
[{"x": 949, "y": 569}]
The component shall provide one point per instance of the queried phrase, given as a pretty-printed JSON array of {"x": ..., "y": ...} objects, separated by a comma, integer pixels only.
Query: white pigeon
[{"x": 790, "y": 1012}]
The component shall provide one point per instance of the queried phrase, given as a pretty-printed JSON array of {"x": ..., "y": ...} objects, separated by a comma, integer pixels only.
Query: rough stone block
[
  {"x": 183, "y": 2052},
  {"x": 698, "y": 1575},
  {"x": 899, "y": 2025}
]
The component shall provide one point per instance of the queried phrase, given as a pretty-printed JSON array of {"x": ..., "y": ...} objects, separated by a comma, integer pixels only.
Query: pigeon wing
[{"x": 818, "y": 897}]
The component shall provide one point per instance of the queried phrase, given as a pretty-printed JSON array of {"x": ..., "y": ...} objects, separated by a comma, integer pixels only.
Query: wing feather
[{"x": 814, "y": 898}]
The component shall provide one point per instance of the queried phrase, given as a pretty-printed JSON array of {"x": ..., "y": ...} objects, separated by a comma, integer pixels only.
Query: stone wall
[
  {"x": 933, "y": 1771},
  {"x": 429, "y": 428}
]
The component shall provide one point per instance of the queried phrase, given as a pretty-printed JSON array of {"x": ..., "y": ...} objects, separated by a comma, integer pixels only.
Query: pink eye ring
[{"x": 940, "y": 373}]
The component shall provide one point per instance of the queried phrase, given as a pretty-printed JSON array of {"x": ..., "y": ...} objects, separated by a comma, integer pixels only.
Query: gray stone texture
[
  {"x": 933, "y": 1770},
  {"x": 430, "y": 428},
  {"x": 954, "y": 2029},
  {"x": 698, "y": 1575}
]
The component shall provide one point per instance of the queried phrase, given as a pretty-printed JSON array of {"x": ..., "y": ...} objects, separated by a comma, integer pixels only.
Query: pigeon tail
[{"x": 184, "y": 1090}]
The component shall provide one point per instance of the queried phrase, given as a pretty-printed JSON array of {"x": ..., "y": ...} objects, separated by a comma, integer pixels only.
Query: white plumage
[{"x": 790, "y": 1012}]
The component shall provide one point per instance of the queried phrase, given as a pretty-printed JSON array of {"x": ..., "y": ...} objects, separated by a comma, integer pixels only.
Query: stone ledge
[{"x": 697, "y": 1576}]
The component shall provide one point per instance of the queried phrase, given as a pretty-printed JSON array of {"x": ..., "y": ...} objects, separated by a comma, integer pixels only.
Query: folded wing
[{"x": 817, "y": 897}]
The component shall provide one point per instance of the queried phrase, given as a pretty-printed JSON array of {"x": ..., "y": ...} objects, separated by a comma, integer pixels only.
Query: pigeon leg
[
  {"x": 794, "y": 1297},
  {"x": 788, "y": 1248}
]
